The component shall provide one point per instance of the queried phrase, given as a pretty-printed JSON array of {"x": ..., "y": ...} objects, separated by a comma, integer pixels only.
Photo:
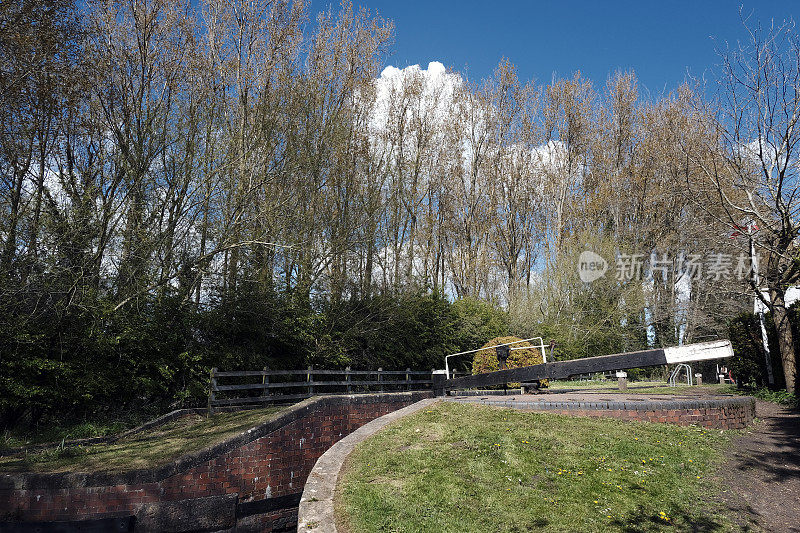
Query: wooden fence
[{"x": 270, "y": 386}]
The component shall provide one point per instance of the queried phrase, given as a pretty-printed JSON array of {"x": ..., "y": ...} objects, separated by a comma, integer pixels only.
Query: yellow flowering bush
[{"x": 485, "y": 360}]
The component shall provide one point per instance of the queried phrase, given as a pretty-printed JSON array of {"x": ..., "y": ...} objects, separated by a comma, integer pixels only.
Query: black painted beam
[
  {"x": 589, "y": 365},
  {"x": 268, "y": 505}
]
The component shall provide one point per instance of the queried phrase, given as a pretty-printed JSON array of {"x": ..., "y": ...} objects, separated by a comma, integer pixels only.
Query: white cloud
[{"x": 431, "y": 88}]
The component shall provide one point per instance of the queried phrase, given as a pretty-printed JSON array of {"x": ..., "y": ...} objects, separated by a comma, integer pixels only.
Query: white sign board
[{"x": 702, "y": 351}]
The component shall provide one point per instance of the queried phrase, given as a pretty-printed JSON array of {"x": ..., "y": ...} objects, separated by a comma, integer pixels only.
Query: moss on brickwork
[{"x": 269, "y": 459}]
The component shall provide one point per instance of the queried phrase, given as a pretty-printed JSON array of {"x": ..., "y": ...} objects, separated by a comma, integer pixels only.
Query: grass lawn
[
  {"x": 150, "y": 448},
  {"x": 460, "y": 467}
]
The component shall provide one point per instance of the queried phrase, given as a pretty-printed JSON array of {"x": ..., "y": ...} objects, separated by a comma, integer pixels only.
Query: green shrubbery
[
  {"x": 748, "y": 364},
  {"x": 584, "y": 319},
  {"x": 780, "y": 396},
  {"x": 93, "y": 363}
]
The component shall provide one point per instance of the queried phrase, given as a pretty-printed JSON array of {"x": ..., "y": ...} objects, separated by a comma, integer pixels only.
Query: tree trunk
[
  {"x": 785, "y": 339},
  {"x": 10, "y": 247}
]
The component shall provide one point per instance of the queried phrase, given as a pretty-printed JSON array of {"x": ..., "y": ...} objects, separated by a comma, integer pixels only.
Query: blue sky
[{"x": 658, "y": 40}]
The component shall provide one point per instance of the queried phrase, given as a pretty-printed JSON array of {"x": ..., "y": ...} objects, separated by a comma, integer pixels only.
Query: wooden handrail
[{"x": 307, "y": 382}]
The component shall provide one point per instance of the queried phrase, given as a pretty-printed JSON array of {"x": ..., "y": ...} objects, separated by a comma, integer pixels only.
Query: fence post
[
  {"x": 211, "y": 388},
  {"x": 408, "y": 379},
  {"x": 380, "y": 382},
  {"x": 310, "y": 379},
  {"x": 265, "y": 381},
  {"x": 348, "y": 379}
]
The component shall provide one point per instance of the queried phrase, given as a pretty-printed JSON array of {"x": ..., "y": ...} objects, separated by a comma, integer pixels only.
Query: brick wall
[
  {"x": 270, "y": 461},
  {"x": 717, "y": 413},
  {"x": 711, "y": 417}
]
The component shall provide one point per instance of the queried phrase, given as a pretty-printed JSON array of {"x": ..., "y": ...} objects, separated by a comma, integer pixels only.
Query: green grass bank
[{"x": 456, "y": 468}]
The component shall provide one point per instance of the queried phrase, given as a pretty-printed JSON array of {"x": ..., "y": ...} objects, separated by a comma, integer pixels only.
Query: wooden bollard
[
  {"x": 698, "y": 378},
  {"x": 438, "y": 377}
]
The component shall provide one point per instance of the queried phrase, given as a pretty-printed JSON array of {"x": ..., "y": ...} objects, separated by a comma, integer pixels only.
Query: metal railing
[
  {"x": 673, "y": 377},
  {"x": 450, "y": 374}
]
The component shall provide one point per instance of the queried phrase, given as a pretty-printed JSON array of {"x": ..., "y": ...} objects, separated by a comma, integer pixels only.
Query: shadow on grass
[
  {"x": 533, "y": 525},
  {"x": 640, "y": 520}
]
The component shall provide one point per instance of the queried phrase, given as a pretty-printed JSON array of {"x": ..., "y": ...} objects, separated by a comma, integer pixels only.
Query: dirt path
[{"x": 762, "y": 474}]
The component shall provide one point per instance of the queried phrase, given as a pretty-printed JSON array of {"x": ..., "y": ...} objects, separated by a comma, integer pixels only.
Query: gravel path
[{"x": 762, "y": 473}]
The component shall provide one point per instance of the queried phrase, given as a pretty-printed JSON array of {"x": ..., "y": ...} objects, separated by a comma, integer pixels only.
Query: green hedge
[{"x": 96, "y": 363}]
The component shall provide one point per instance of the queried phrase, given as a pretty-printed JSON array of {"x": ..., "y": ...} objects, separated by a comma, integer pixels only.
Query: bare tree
[{"x": 751, "y": 173}]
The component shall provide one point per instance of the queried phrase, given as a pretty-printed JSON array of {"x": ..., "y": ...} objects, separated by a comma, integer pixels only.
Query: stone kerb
[{"x": 316, "y": 505}]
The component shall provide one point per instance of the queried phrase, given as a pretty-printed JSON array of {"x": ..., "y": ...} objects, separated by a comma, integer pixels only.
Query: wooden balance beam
[{"x": 701, "y": 351}]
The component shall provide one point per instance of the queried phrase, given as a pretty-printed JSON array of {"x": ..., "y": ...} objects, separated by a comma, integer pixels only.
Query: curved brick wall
[
  {"x": 718, "y": 413},
  {"x": 267, "y": 462}
]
